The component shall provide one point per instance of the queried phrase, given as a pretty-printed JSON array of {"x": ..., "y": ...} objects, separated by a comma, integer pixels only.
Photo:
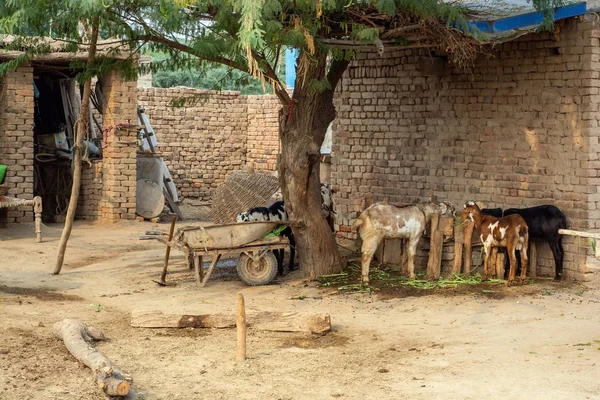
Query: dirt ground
[{"x": 539, "y": 341}]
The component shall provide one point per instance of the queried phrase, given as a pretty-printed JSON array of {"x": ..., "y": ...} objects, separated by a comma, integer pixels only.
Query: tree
[{"x": 248, "y": 35}]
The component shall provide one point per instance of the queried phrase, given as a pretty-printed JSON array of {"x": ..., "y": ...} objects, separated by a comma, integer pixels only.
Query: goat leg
[
  {"x": 513, "y": 267},
  {"x": 524, "y": 262}
]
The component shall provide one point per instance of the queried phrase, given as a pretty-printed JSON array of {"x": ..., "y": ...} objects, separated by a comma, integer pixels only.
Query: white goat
[{"x": 383, "y": 221}]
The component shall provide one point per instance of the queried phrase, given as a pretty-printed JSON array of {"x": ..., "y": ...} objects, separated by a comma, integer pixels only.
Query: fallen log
[
  {"x": 78, "y": 338},
  {"x": 262, "y": 321}
]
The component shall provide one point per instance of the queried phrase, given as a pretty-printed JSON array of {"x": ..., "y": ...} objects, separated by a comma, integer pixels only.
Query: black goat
[
  {"x": 543, "y": 223},
  {"x": 275, "y": 212}
]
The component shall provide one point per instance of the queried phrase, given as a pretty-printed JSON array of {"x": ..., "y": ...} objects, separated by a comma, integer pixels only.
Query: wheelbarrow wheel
[{"x": 259, "y": 272}]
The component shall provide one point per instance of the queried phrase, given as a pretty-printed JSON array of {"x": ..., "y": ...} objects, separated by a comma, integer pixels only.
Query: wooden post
[
  {"x": 386, "y": 199},
  {"x": 198, "y": 268},
  {"x": 434, "y": 263},
  {"x": 240, "y": 354},
  {"x": 532, "y": 259},
  {"x": 168, "y": 252},
  {"x": 500, "y": 265},
  {"x": 37, "y": 209},
  {"x": 468, "y": 234},
  {"x": 459, "y": 241}
]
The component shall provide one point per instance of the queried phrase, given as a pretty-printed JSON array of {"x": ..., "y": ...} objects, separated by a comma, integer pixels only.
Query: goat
[
  {"x": 384, "y": 221},
  {"x": 543, "y": 223},
  {"x": 327, "y": 205},
  {"x": 510, "y": 231},
  {"x": 275, "y": 212}
]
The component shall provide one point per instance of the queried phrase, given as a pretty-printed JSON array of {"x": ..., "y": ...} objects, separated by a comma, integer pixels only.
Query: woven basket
[{"x": 241, "y": 191}]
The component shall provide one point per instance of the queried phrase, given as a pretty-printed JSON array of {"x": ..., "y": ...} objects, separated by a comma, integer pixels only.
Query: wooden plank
[
  {"x": 468, "y": 234},
  {"x": 533, "y": 259},
  {"x": 211, "y": 269},
  {"x": 569, "y": 232},
  {"x": 446, "y": 225},
  {"x": 434, "y": 263},
  {"x": 393, "y": 251},
  {"x": 457, "y": 264},
  {"x": 500, "y": 265},
  {"x": 264, "y": 321}
]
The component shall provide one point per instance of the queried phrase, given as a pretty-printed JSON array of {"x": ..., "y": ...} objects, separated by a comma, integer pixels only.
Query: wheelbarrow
[{"x": 256, "y": 265}]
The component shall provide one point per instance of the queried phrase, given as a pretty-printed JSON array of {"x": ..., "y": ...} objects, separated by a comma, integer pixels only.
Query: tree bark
[
  {"x": 302, "y": 127},
  {"x": 80, "y": 127}
]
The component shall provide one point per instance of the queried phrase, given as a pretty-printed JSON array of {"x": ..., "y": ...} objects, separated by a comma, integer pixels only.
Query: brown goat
[{"x": 510, "y": 232}]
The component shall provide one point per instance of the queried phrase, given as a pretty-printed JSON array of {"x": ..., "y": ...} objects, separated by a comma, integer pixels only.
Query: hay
[{"x": 240, "y": 192}]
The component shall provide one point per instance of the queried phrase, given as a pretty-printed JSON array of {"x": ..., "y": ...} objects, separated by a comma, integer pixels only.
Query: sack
[{"x": 3, "y": 169}]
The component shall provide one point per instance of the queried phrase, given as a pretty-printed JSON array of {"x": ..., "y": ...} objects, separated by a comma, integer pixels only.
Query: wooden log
[
  {"x": 434, "y": 264},
  {"x": 500, "y": 265},
  {"x": 78, "y": 337},
  {"x": 263, "y": 321},
  {"x": 569, "y": 232},
  {"x": 533, "y": 262},
  {"x": 240, "y": 354},
  {"x": 468, "y": 234},
  {"x": 37, "y": 209}
]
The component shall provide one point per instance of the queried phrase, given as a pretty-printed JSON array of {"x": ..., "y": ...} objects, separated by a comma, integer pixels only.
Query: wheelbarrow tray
[{"x": 227, "y": 236}]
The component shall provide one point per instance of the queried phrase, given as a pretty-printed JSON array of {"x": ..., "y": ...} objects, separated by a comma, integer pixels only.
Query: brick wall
[
  {"x": 263, "y": 137},
  {"x": 16, "y": 138},
  {"x": 520, "y": 129},
  {"x": 205, "y": 141}
]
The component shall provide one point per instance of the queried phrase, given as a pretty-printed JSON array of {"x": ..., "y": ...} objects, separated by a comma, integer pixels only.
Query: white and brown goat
[
  {"x": 384, "y": 221},
  {"x": 510, "y": 231}
]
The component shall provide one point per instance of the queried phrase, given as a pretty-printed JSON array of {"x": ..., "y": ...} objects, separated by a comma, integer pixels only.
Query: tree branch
[
  {"x": 336, "y": 71},
  {"x": 279, "y": 87}
]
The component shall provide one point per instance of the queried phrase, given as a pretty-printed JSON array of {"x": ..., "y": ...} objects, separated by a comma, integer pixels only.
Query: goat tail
[
  {"x": 357, "y": 224},
  {"x": 523, "y": 232}
]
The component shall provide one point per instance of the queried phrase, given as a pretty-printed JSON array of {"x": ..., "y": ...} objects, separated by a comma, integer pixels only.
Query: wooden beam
[
  {"x": 468, "y": 234},
  {"x": 434, "y": 263},
  {"x": 262, "y": 321}
]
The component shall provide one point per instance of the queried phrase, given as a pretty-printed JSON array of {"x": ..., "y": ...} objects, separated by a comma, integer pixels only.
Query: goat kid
[
  {"x": 510, "y": 231},
  {"x": 275, "y": 212},
  {"x": 543, "y": 223},
  {"x": 384, "y": 221}
]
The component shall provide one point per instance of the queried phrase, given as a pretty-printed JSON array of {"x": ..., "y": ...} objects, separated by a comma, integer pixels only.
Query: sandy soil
[{"x": 539, "y": 341}]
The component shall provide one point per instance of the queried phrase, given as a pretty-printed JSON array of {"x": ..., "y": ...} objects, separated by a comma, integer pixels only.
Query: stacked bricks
[
  {"x": 119, "y": 149},
  {"x": 263, "y": 132},
  {"x": 521, "y": 128},
  {"x": 91, "y": 191},
  {"x": 16, "y": 138}
]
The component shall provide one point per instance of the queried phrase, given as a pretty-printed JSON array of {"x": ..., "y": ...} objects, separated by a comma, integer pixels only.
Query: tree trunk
[
  {"x": 80, "y": 127},
  {"x": 302, "y": 127}
]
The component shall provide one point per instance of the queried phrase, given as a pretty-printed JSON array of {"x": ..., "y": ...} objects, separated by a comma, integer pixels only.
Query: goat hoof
[
  {"x": 508, "y": 283},
  {"x": 557, "y": 278}
]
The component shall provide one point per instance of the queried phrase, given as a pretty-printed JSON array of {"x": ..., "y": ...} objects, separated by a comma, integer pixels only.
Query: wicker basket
[{"x": 241, "y": 191}]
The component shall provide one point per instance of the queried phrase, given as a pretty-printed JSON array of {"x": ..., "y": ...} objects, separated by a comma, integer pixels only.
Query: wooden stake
[
  {"x": 163, "y": 276},
  {"x": 80, "y": 127},
  {"x": 37, "y": 209},
  {"x": 240, "y": 354},
  {"x": 434, "y": 263},
  {"x": 468, "y": 251},
  {"x": 532, "y": 259}
]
